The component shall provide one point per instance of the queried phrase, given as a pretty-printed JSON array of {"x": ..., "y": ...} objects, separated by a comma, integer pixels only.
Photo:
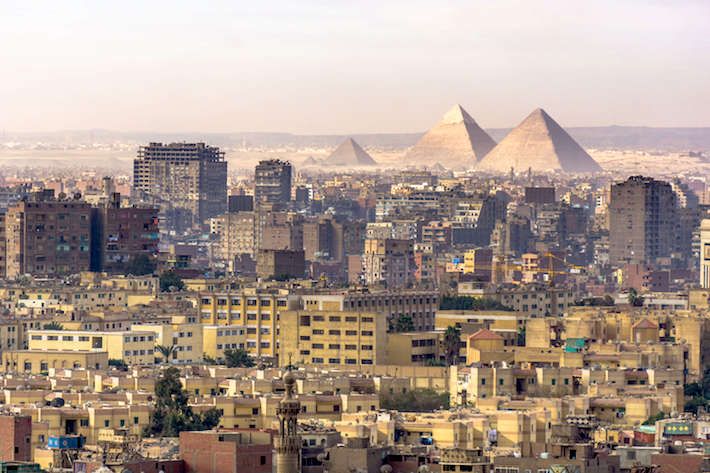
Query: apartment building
[
  {"x": 47, "y": 237},
  {"x": 258, "y": 310},
  {"x": 327, "y": 337},
  {"x": 218, "y": 338},
  {"x": 187, "y": 181},
  {"x": 420, "y": 306},
  {"x": 133, "y": 347}
]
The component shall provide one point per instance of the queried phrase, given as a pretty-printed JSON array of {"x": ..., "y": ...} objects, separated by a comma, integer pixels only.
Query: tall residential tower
[{"x": 188, "y": 181}]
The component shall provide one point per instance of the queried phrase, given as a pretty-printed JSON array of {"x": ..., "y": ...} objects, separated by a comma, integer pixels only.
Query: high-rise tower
[
  {"x": 288, "y": 442},
  {"x": 188, "y": 181},
  {"x": 272, "y": 182}
]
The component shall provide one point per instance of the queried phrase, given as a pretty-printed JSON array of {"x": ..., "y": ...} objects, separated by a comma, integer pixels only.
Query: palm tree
[
  {"x": 452, "y": 344},
  {"x": 634, "y": 299},
  {"x": 53, "y": 325},
  {"x": 167, "y": 351}
]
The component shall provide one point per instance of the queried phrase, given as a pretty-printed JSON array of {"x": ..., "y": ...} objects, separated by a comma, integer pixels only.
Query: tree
[
  {"x": 172, "y": 414},
  {"x": 167, "y": 351},
  {"x": 170, "y": 281},
  {"x": 118, "y": 364},
  {"x": 208, "y": 359},
  {"x": 53, "y": 325},
  {"x": 237, "y": 358},
  {"x": 452, "y": 344},
  {"x": 634, "y": 299},
  {"x": 520, "y": 338},
  {"x": 140, "y": 265},
  {"x": 417, "y": 400},
  {"x": 654, "y": 418},
  {"x": 404, "y": 323}
]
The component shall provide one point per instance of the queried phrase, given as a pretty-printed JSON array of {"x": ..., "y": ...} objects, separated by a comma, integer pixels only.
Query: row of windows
[
  {"x": 336, "y": 361},
  {"x": 336, "y": 346},
  {"x": 250, "y": 302},
  {"x": 227, "y": 333},
  {"x": 135, "y": 352}
]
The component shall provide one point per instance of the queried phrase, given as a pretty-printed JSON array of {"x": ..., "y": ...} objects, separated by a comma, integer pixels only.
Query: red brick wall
[
  {"x": 15, "y": 438},
  {"x": 204, "y": 453}
]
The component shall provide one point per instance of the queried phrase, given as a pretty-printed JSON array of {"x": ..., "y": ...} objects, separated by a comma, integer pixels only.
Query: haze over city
[
  {"x": 349, "y": 67},
  {"x": 355, "y": 237}
]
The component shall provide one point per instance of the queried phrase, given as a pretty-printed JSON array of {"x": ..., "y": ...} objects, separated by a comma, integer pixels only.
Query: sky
[{"x": 356, "y": 66}]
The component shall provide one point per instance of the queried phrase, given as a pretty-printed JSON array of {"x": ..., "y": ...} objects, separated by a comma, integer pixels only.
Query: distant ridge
[
  {"x": 678, "y": 139},
  {"x": 456, "y": 141},
  {"x": 539, "y": 143},
  {"x": 349, "y": 153}
]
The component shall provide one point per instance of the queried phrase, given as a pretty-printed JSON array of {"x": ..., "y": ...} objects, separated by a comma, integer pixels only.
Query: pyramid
[
  {"x": 540, "y": 144},
  {"x": 310, "y": 161},
  {"x": 455, "y": 141},
  {"x": 349, "y": 153}
]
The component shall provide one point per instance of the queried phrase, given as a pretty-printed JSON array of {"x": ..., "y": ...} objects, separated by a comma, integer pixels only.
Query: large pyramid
[
  {"x": 455, "y": 141},
  {"x": 349, "y": 153},
  {"x": 540, "y": 144}
]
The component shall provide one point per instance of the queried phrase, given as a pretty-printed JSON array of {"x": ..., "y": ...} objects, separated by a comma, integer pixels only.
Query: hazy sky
[{"x": 347, "y": 67}]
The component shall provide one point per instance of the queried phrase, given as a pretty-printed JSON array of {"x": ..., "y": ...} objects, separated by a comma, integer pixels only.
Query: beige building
[
  {"x": 133, "y": 347},
  {"x": 256, "y": 310},
  {"x": 185, "y": 336},
  {"x": 388, "y": 262},
  {"x": 331, "y": 337},
  {"x": 218, "y": 338},
  {"x": 39, "y": 361},
  {"x": 235, "y": 232}
]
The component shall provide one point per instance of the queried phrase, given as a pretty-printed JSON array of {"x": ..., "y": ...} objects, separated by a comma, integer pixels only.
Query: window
[
  {"x": 366, "y": 333},
  {"x": 334, "y": 318},
  {"x": 84, "y": 422},
  {"x": 334, "y": 332},
  {"x": 334, "y": 346}
]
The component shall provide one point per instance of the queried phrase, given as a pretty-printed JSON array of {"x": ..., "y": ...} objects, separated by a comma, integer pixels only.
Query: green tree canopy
[
  {"x": 170, "y": 281},
  {"x": 417, "y": 400},
  {"x": 172, "y": 414},
  {"x": 140, "y": 265},
  {"x": 237, "y": 358},
  {"x": 452, "y": 345},
  {"x": 53, "y": 326},
  {"x": 404, "y": 323}
]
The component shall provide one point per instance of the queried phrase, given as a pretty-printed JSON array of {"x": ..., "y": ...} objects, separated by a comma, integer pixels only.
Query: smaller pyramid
[
  {"x": 310, "y": 161},
  {"x": 456, "y": 141},
  {"x": 349, "y": 153},
  {"x": 540, "y": 144}
]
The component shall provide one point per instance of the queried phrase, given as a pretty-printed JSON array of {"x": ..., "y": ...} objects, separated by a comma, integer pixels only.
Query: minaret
[{"x": 288, "y": 443}]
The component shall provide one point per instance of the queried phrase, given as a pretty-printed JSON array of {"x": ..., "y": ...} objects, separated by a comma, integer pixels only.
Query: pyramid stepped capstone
[
  {"x": 456, "y": 141},
  {"x": 349, "y": 153},
  {"x": 540, "y": 144}
]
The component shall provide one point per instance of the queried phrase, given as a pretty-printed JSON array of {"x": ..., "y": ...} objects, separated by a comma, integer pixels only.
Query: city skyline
[{"x": 310, "y": 68}]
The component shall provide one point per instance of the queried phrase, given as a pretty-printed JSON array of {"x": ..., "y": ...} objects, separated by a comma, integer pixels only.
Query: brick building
[
  {"x": 15, "y": 438},
  {"x": 233, "y": 451}
]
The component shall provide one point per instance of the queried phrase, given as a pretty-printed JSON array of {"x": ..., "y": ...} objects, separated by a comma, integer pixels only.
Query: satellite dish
[{"x": 57, "y": 402}]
